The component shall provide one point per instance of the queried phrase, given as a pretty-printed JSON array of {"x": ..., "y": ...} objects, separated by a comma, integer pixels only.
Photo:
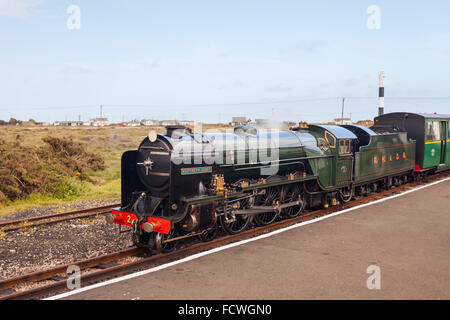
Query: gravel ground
[
  {"x": 40, "y": 247},
  {"x": 70, "y": 206}
]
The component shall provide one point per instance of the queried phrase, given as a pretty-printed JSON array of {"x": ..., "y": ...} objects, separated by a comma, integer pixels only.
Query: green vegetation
[
  {"x": 57, "y": 169},
  {"x": 51, "y": 165}
]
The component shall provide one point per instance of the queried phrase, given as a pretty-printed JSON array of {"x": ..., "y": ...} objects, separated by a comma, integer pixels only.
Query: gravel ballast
[{"x": 37, "y": 248}]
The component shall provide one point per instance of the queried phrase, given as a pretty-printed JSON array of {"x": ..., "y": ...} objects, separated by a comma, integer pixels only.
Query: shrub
[{"x": 56, "y": 168}]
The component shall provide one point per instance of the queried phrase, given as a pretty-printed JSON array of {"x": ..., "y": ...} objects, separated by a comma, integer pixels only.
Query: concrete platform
[{"x": 407, "y": 237}]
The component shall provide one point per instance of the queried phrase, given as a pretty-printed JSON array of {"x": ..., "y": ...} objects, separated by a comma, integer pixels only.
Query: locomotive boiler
[{"x": 181, "y": 183}]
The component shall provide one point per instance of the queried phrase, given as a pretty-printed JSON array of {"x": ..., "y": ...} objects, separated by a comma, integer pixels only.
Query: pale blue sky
[{"x": 208, "y": 59}]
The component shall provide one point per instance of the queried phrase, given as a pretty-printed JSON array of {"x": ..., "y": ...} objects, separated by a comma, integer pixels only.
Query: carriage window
[{"x": 433, "y": 131}]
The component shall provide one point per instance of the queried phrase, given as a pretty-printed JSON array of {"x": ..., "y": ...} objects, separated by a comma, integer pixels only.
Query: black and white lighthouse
[{"x": 381, "y": 94}]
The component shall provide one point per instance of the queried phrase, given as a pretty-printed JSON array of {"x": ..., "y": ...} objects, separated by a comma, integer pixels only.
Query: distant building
[
  {"x": 266, "y": 123},
  {"x": 262, "y": 122},
  {"x": 28, "y": 123},
  {"x": 68, "y": 123},
  {"x": 168, "y": 122},
  {"x": 339, "y": 121},
  {"x": 289, "y": 123},
  {"x": 365, "y": 123},
  {"x": 99, "y": 122},
  {"x": 148, "y": 122},
  {"x": 239, "y": 121},
  {"x": 188, "y": 123},
  {"x": 133, "y": 123}
]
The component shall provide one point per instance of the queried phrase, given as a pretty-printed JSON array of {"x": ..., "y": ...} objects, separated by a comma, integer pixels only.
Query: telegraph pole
[
  {"x": 342, "y": 113},
  {"x": 101, "y": 111}
]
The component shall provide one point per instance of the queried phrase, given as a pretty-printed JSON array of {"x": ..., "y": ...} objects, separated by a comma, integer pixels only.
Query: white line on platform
[{"x": 232, "y": 245}]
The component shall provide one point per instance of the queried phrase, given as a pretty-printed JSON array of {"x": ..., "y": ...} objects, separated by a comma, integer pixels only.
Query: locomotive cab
[{"x": 339, "y": 144}]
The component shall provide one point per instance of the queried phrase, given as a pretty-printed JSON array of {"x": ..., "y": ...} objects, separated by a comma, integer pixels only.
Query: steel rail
[
  {"x": 61, "y": 269},
  {"x": 54, "y": 218},
  {"x": 158, "y": 259}
]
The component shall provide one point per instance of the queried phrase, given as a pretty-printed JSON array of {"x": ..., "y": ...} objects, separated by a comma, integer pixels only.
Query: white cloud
[{"x": 17, "y": 8}]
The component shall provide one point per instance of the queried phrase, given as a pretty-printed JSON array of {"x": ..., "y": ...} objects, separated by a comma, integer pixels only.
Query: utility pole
[
  {"x": 101, "y": 111},
  {"x": 342, "y": 113}
]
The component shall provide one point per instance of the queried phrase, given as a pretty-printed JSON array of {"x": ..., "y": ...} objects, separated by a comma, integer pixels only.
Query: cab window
[
  {"x": 344, "y": 146},
  {"x": 330, "y": 139},
  {"x": 322, "y": 144},
  {"x": 348, "y": 146}
]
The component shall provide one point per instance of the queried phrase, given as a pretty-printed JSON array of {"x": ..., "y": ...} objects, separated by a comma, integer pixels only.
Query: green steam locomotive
[{"x": 182, "y": 184}]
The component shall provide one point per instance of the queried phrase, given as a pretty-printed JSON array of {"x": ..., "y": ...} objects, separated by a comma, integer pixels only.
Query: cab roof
[
  {"x": 337, "y": 131},
  {"x": 434, "y": 115},
  {"x": 358, "y": 128},
  {"x": 421, "y": 115}
]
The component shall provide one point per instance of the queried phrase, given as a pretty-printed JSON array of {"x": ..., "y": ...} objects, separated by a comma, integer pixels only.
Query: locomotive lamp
[
  {"x": 152, "y": 136},
  {"x": 148, "y": 227}
]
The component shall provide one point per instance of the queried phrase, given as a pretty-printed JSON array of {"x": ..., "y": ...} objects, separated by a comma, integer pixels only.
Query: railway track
[
  {"x": 115, "y": 264},
  {"x": 54, "y": 218}
]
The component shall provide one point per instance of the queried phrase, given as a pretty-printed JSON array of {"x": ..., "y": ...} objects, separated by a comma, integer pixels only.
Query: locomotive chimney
[{"x": 381, "y": 94}]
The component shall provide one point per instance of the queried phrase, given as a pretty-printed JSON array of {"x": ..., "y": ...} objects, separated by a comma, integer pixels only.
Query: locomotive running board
[
  {"x": 261, "y": 209},
  {"x": 255, "y": 186}
]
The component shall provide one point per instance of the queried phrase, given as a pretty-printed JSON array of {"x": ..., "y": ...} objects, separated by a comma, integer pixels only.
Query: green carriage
[{"x": 432, "y": 135}]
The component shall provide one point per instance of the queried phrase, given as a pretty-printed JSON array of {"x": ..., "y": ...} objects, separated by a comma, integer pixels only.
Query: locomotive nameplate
[{"x": 197, "y": 170}]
